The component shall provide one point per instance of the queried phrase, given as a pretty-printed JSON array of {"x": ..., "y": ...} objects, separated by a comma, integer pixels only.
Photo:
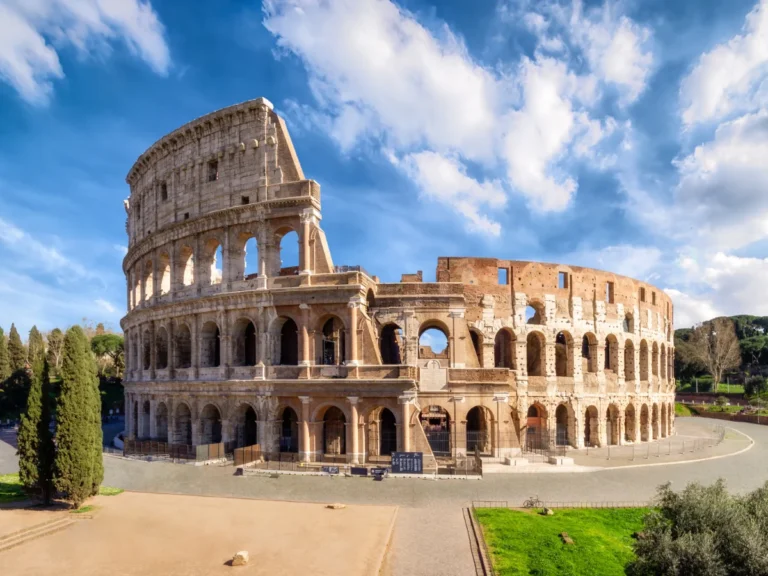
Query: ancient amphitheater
[{"x": 225, "y": 343}]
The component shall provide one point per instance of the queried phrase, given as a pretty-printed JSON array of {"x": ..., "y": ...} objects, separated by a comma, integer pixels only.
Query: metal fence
[
  {"x": 544, "y": 443},
  {"x": 562, "y": 504},
  {"x": 166, "y": 450}
]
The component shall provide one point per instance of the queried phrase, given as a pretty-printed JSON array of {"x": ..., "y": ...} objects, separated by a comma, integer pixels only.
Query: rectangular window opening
[
  {"x": 642, "y": 294},
  {"x": 213, "y": 171},
  {"x": 653, "y": 298},
  {"x": 609, "y": 292},
  {"x": 163, "y": 191},
  {"x": 245, "y": 200},
  {"x": 503, "y": 276},
  {"x": 562, "y": 280},
  {"x": 186, "y": 216}
]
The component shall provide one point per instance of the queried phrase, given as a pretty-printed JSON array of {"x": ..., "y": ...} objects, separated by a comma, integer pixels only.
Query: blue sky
[{"x": 629, "y": 136}]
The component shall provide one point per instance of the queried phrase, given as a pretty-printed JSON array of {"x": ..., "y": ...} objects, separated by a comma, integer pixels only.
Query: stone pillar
[
  {"x": 354, "y": 426},
  {"x": 304, "y": 447},
  {"x": 195, "y": 347},
  {"x": 352, "y": 359},
  {"x": 171, "y": 352},
  {"x": 304, "y": 260},
  {"x": 141, "y": 352},
  {"x": 405, "y": 423},
  {"x": 152, "y": 351},
  {"x": 456, "y": 338},
  {"x": 226, "y": 430},
  {"x": 140, "y": 424},
  {"x": 152, "y": 419},
  {"x": 304, "y": 358},
  {"x": 620, "y": 367}
]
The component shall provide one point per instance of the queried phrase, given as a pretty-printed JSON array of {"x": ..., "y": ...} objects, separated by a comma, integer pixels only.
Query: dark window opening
[
  {"x": 245, "y": 200},
  {"x": 163, "y": 191},
  {"x": 562, "y": 280},
  {"x": 609, "y": 292},
  {"x": 642, "y": 294},
  {"x": 503, "y": 276},
  {"x": 213, "y": 171},
  {"x": 653, "y": 298},
  {"x": 186, "y": 216}
]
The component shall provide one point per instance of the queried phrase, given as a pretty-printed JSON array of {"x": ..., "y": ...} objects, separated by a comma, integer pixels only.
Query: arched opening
[
  {"x": 334, "y": 436},
  {"x": 655, "y": 359},
  {"x": 562, "y": 423},
  {"x": 479, "y": 430},
  {"x": 289, "y": 254},
  {"x": 629, "y": 323},
  {"x": 210, "y": 346},
  {"x": 504, "y": 349},
  {"x": 164, "y": 270},
  {"x": 591, "y": 427},
  {"x": 563, "y": 354},
  {"x": 213, "y": 261},
  {"x": 655, "y": 422},
  {"x": 644, "y": 423},
  {"x": 370, "y": 301},
  {"x": 612, "y": 353},
  {"x": 643, "y": 360},
  {"x": 161, "y": 348},
  {"x": 244, "y": 343},
  {"x": 663, "y": 364},
  {"x": 289, "y": 431},
  {"x": 183, "y": 429},
  {"x": 250, "y": 259},
  {"x": 436, "y": 423},
  {"x": 210, "y": 425},
  {"x": 663, "y": 421},
  {"x": 433, "y": 344},
  {"x": 535, "y": 354},
  {"x": 145, "y": 409},
  {"x": 333, "y": 343},
  {"x": 477, "y": 345},
  {"x": 612, "y": 426},
  {"x": 536, "y": 434},
  {"x": 534, "y": 313},
  {"x": 390, "y": 344},
  {"x": 289, "y": 343},
  {"x": 161, "y": 422},
  {"x": 146, "y": 352},
  {"x": 187, "y": 263},
  {"x": 629, "y": 360},
  {"x": 246, "y": 428},
  {"x": 387, "y": 432},
  {"x": 183, "y": 348},
  {"x": 589, "y": 353},
  {"x": 629, "y": 423}
]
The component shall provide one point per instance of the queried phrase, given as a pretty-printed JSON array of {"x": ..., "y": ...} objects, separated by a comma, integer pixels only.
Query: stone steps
[{"x": 19, "y": 537}]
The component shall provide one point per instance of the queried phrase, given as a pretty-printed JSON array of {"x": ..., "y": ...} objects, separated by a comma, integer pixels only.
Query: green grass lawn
[
  {"x": 11, "y": 489},
  {"x": 683, "y": 410},
  {"x": 523, "y": 542},
  {"x": 109, "y": 491}
]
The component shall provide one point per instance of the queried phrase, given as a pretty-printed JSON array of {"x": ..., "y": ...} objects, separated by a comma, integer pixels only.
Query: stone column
[
  {"x": 456, "y": 337},
  {"x": 141, "y": 352},
  {"x": 620, "y": 367},
  {"x": 306, "y": 220},
  {"x": 140, "y": 424},
  {"x": 152, "y": 420},
  {"x": 304, "y": 447},
  {"x": 226, "y": 430},
  {"x": 304, "y": 358},
  {"x": 353, "y": 429},
  {"x": 352, "y": 359},
  {"x": 152, "y": 351},
  {"x": 405, "y": 422}
]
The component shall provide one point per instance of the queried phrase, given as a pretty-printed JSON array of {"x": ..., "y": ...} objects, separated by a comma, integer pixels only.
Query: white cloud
[
  {"x": 37, "y": 254},
  {"x": 105, "y": 305},
  {"x": 377, "y": 74},
  {"x": 32, "y": 31},
  {"x": 725, "y": 78},
  {"x": 616, "y": 47},
  {"x": 445, "y": 179},
  {"x": 722, "y": 190},
  {"x": 121, "y": 249},
  {"x": 639, "y": 262}
]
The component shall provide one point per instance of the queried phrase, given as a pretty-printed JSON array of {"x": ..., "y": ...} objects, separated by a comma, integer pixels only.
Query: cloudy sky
[{"x": 629, "y": 136}]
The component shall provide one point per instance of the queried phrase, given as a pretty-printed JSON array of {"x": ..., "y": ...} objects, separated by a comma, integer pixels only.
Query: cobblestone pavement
[{"x": 430, "y": 517}]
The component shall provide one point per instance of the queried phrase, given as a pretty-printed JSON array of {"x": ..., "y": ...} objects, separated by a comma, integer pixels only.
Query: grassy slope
[
  {"x": 11, "y": 489},
  {"x": 528, "y": 543}
]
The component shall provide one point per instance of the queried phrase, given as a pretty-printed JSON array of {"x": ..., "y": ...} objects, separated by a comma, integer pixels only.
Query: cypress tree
[
  {"x": 35, "y": 442},
  {"x": 5, "y": 365},
  {"x": 78, "y": 471},
  {"x": 17, "y": 355},
  {"x": 35, "y": 347}
]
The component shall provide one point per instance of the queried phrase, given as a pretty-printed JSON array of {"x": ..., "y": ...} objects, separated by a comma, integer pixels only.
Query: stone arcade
[{"x": 225, "y": 343}]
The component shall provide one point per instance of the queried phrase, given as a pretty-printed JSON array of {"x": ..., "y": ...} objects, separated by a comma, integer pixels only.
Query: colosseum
[{"x": 227, "y": 343}]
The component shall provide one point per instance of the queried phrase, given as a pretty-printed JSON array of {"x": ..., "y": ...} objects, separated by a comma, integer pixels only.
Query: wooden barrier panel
[{"x": 247, "y": 454}]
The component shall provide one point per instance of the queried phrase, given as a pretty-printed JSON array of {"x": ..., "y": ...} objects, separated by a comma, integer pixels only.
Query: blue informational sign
[
  {"x": 407, "y": 462},
  {"x": 331, "y": 469},
  {"x": 358, "y": 471}
]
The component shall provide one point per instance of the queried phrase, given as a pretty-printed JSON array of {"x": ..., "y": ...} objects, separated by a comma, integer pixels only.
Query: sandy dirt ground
[
  {"x": 13, "y": 520},
  {"x": 147, "y": 534}
]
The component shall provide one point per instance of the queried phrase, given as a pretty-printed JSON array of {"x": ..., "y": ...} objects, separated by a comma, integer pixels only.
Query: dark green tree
[
  {"x": 5, "y": 365},
  {"x": 55, "y": 342},
  {"x": 755, "y": 385},
  {"x": 35, "y": 441},
  {"x": 110, "y": 346},
  {"x": 78, "y": 469},
  {"x": 35, "y": 347},
  {"x": 17, "y": 355}
]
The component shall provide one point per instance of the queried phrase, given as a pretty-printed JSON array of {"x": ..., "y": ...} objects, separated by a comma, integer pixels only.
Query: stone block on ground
[
  {"x": 240, "y": 559},
  {"x": 336, "y": 506}
]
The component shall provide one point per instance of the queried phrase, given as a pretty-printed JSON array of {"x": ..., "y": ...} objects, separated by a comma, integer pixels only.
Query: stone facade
[{"x": 322, "y": 359}]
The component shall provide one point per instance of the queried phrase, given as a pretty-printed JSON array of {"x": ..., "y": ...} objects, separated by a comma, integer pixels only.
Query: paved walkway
[{"x": 430, "y": 517}]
